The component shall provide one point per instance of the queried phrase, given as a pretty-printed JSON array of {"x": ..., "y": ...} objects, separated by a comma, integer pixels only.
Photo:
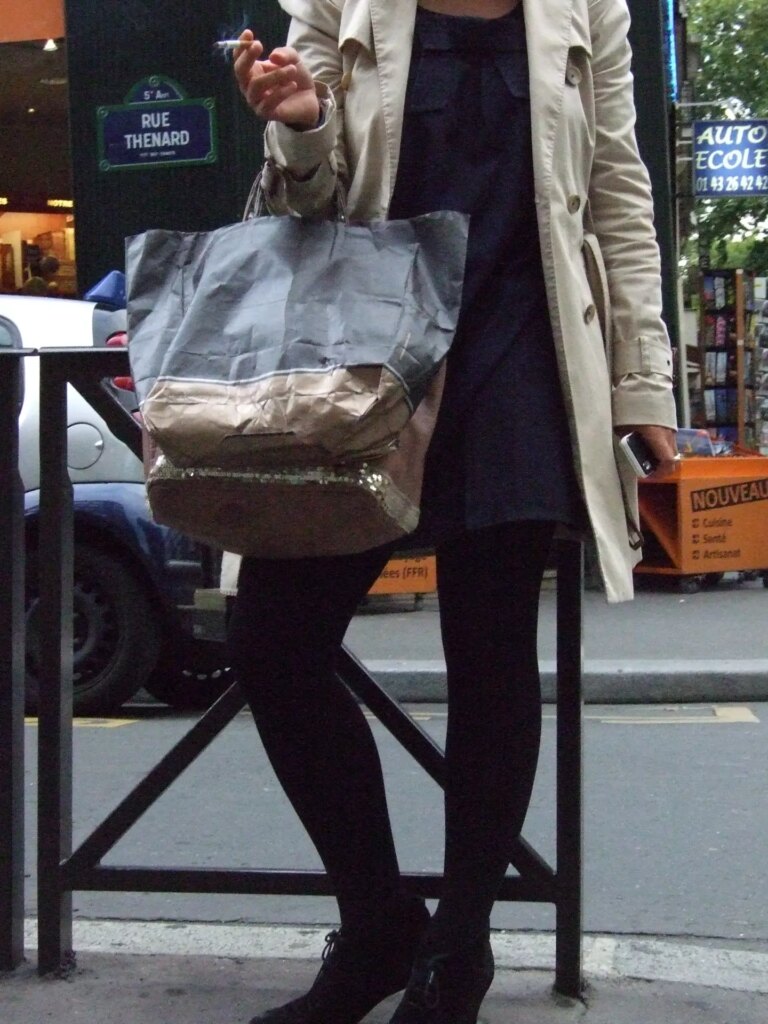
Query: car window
[
  {"x": 9, "y": 334},
  {"x": 10, "y": 338}
]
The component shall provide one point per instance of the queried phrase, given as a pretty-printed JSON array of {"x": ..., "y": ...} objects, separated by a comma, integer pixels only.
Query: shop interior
[
  {"x": 27, "y": 237},
  {"x": 36, "y": 209}
]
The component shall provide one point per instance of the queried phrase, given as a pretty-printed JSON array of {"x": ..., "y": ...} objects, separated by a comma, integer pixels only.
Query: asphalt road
[{"x": 675, "y": 819}]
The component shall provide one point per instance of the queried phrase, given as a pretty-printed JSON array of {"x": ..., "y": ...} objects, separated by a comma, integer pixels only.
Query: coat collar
[{"x": 548, "y": 32}]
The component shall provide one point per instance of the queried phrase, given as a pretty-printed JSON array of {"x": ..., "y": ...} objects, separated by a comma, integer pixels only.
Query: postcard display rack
[
  {"x": 728, "y": 358},
  {"x": 761, "y": 384}
]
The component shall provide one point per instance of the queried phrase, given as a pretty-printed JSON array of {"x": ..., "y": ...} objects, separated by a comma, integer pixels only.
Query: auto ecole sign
[
  {"x": 730, "y": 158},
  {"x": 156, "y": 126}
]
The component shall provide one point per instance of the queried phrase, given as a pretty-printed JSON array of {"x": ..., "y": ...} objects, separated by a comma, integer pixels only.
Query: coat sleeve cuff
[
  {"x": 642, "y": 355},
  {"x": 299, "y": 153},
  {"x": 640, "y": 399}
]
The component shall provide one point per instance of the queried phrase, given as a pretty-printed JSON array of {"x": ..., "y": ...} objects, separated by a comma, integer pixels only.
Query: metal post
[
  {"x": 11, "y": 668},
  {"x": 568, "y": 941},
  {"x": 55, "y": 570}
]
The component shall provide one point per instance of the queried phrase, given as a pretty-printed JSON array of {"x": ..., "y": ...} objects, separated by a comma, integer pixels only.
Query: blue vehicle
[{"x": 134, "y": 581}]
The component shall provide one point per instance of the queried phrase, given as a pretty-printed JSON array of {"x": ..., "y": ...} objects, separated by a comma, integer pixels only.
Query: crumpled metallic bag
[{"x": 288, "y": 372}]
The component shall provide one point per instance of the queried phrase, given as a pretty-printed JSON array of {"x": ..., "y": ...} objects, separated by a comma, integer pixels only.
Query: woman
[{"x": 521, "y": 116}]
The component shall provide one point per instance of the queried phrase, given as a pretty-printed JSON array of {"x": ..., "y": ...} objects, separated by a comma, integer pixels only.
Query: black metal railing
[
  {"x": 11, "y": 667},
  {"x": 62, "y": 871}
]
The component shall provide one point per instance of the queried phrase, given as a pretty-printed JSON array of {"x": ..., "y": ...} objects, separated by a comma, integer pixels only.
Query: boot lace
[
  {"x": 314, "y": 1000},
  {"x": 336, "y": 958},
  {"x": 333, "y": 942}
]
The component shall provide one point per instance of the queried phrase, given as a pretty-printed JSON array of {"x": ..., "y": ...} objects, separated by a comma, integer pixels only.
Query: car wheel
[
  {"x": 191, "y": 674},
  {"x": 711, "y": 579},
  {"x": 690, "y": 584},
  {"x": 116, "y": 639}
]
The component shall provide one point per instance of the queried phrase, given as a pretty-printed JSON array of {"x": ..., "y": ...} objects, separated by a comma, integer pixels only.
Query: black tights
[{"x": 288, "y": 623}]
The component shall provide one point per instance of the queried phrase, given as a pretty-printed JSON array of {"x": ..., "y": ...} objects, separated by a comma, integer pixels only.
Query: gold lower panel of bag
[{"x": 294, "y": 513}]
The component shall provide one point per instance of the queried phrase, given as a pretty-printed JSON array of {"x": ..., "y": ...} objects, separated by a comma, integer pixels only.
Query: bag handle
[{"x": 256, "y": 203}]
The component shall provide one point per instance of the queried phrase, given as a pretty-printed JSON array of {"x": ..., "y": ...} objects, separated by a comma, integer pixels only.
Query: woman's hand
[
  {"x": 279, "y": 88},
  {"x": 663, "y": 443}
]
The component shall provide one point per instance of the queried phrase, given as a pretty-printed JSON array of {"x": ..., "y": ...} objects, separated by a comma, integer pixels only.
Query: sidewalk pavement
[
  {"x": 663, "y": 647},
  {"x": 214, "y": 974}
]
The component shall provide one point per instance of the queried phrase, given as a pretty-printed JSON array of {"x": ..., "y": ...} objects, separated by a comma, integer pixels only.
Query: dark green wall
[{"x": 112, "y": 45}]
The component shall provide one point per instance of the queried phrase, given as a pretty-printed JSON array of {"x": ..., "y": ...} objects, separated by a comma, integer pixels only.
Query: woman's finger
[
  {"x": 270, "y": 103},
  {"x": 284, "y": 55},
  {"x": 246, "y": 59},
  {"x": 261, "y": 85}
]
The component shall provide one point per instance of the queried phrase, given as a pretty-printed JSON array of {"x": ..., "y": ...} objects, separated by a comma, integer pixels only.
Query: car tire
[
  {"x": 115, "y": 632},
  {"x": 190, "y": 674},
  {"x": 711, "y": 579},
  {"x": 690, "y": 584}
]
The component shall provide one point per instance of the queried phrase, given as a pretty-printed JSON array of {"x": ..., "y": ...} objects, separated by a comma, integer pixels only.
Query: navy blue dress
[{"x": 501, "y": 450}]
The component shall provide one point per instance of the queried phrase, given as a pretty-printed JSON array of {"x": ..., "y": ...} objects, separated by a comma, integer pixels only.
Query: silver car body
[{"x": 94, "y": 453}]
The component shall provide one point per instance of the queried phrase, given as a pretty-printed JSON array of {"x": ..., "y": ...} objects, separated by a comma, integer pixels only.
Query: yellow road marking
[
  {"x": 94, "y": 723},
  {"x": 736, "y": 715},
  {"x": 664, "y": 715},
  {"x": 416, "y": 716},
  {"x": 714, "y": 715},
  {"x": 661, "y": 721}
]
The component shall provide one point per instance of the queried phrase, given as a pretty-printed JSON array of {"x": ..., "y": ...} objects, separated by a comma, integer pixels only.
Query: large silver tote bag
[{"x": 279, "y": 364}]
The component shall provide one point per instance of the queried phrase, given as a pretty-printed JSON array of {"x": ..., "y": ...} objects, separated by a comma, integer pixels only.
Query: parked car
[{"x": 134, "y": 581}]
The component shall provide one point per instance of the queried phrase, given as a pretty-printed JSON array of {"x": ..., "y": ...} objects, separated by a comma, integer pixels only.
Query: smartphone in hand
[{"x": 638, "y": 453}]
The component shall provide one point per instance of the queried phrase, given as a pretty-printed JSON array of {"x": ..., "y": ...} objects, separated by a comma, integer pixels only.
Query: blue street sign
[
  {"x": 157, "y": 126},
  {"x": 730, "y": 158}
]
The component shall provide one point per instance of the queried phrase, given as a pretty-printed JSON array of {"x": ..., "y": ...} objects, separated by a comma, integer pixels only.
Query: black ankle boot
[
  {"x": 447, "y": 988},
  {"x": 362, "y": 964}
]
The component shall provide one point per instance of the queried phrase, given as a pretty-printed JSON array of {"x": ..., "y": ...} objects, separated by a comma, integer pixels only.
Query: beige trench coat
[{"x": 593, "y": 199}]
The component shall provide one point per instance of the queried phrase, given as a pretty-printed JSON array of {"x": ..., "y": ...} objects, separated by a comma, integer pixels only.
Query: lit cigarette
[{"x": 231, "y": 44}]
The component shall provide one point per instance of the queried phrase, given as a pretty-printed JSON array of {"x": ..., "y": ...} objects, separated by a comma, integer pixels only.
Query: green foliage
[
  {"x": 748, "y": 253},
  {"x": 733, "y": 37}
]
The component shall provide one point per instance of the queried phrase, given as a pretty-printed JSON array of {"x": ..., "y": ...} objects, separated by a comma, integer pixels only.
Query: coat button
[
  {"x": 574, "y": 204},
  {"x": 589, "y": 314},
  {"x": 572, "y": 75}
]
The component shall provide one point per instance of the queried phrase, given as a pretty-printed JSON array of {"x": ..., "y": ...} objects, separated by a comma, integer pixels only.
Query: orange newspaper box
[
  {"x": 708, "y": 517},
  {"x": 411, "y": 574}
]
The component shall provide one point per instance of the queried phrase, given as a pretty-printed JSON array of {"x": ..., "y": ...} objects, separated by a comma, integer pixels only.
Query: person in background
[
  {"x": 42, "y": 277},
  {"x": 522, "y": 116}
]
